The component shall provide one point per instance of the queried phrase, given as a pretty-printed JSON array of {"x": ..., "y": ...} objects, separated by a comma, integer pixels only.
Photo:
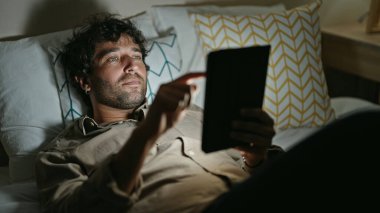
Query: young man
[{"x": 122, "y": 157}]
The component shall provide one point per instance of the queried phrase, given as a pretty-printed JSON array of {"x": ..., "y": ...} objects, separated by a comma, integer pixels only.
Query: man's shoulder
[{"x": 60, "y": 141}]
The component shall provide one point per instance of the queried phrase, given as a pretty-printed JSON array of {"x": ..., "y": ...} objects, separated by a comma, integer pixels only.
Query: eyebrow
[{"x": 102, "y": 53}]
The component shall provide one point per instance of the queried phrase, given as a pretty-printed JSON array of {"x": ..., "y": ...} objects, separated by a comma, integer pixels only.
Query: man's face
[{"x": 119, "y": 78}]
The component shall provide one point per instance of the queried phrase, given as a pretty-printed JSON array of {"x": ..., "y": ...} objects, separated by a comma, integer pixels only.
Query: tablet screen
[{"x": 235, "y": 79}]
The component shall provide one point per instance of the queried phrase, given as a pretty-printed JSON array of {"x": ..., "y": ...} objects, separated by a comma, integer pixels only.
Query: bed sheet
[
  {"x": 341, "y": 105},
  {"x": 22, "y": 197},
  {"x": 18, "y": 197}
]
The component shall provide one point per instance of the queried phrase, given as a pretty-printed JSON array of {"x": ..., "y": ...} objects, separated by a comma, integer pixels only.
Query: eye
[
  {"x": 137, "y": 57},
  {"x": 112, "y": 59}
]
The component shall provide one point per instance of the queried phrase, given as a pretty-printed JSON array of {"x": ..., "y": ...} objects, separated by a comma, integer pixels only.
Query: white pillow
[
  {"x": 30, "y": 108},
  {"x": 143, "y": 21},
  {"x": 164, "y": 60},
  {"x": 166, "y": 17},
  {"x": 29, "y": 105}
]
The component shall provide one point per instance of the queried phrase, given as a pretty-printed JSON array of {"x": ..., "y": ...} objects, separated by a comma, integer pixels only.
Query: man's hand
[
  {"x": 170, "y": 103},
  {"x": 256, "y": 129}
]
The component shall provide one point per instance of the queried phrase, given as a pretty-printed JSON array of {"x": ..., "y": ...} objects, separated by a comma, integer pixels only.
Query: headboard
[{"x": 32, "y": 17}]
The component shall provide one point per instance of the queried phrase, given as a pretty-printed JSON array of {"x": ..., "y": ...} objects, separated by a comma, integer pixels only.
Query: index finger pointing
[{"x": 187, "y": 78}]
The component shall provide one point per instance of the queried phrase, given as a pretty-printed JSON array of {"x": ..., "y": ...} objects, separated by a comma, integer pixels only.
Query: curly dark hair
[{"x": 77, "y": 54}]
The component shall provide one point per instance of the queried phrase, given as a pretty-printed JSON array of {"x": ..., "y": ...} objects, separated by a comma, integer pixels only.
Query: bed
[{"x": 179, "y": 37}]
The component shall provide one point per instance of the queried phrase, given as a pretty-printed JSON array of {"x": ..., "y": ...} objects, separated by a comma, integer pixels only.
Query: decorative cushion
[
  {"x": 30, "y": 108},
  {"x": 165, "y": 64},
  {"x": 166, "y": 17},
  {"x": 296, "y": 91},
  {"x": 177, "y": 17},
  {"x": 71, "y": 103}
]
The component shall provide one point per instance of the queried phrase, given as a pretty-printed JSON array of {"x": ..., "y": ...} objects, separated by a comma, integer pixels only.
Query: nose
[{"x": 129, "y": 66}]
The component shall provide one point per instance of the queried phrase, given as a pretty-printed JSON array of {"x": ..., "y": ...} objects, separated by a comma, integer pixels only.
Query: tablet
[{"x": 235, "y": 79}]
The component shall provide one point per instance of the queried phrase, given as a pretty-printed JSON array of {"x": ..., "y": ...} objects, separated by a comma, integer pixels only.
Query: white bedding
[
  {"x": 22, "y": 197},
  {"x": 19, "y": 197},
  {"x": 341, "y": 105}
]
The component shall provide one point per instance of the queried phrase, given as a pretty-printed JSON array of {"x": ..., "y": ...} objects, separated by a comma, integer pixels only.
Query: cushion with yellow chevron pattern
[{"x": 296, "y": 91}]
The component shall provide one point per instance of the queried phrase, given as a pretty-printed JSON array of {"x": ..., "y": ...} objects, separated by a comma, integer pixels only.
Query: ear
[{"x": 84, "y": 83}]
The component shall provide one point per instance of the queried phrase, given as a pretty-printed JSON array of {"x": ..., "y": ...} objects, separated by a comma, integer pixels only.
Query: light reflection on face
[{"x": 119, "y": 78}]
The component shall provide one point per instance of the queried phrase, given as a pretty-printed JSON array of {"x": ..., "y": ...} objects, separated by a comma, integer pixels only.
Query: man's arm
[
  {"x": 65, "y": 185},
  {"x": 167, "y": 109}
]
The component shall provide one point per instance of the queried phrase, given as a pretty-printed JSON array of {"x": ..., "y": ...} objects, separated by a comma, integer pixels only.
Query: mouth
[{"x": 132, "y": 82}]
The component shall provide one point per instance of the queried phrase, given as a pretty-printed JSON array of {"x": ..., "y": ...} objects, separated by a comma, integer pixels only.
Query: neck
[{"x": 106, "y": 114}]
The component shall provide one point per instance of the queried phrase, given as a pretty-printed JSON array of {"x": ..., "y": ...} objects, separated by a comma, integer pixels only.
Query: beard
[{"x": 116, "y": 96}]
